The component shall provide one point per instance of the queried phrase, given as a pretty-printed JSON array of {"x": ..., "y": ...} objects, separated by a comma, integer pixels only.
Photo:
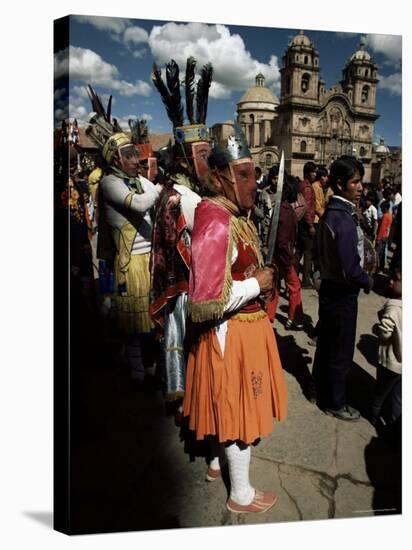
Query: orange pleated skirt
[{"x": 235, "y": 396}]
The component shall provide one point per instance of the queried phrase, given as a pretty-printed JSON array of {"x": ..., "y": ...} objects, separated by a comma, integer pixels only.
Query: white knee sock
[
  {"x": 214, "y": 463},
  {"x": 239, "y": 460}
]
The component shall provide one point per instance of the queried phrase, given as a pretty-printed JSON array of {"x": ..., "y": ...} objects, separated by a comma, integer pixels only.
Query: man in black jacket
[{"x": 340, "y": 256}]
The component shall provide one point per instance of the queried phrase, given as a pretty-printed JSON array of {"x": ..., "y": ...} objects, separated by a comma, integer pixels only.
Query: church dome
[
  {"x": 382, "y": 148},
  {"x": 361, "y": 54},
  {"x": 259, "y": 93},
  {"x": 301, "y": 40}
]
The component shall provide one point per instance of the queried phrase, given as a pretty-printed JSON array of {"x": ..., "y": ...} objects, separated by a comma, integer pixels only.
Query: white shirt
[
  {"x": 115, "y": 192},
  {"x": 371, "y": 215},
  {"x": 240, "y": 294}
]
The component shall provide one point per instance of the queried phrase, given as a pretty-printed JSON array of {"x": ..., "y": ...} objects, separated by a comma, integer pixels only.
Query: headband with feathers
[
  {"x": 171, "y": 96},
  {"x": 104, "y": 130}
]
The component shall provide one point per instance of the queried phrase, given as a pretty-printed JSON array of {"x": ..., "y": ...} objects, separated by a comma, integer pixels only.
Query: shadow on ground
[
  {"x": 296, "y": 360},
  {"x": 369, "y": 348},
  {"x": 123, "y": 475},
  {"x": 383, "y": 459}
]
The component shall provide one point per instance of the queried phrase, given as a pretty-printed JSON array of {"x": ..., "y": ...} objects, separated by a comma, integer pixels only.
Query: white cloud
[
  {"x": 135, "y": 35},
  {"x": 87, "y": 66},
  {"x": 391, "y": 83},
  {"x": 389, "y": 45},
  {"x": 114, "y": 25},
  {"x": 128, "y": 89},
  {"x": 120, "y": 30},
  {"x": 124, "y": 120},
  {"x": 138, "y": 54},
  {"x": 79, "y": 112},
  {"x": 234, "y": 67},
  {"x": 81, "y": 91}
]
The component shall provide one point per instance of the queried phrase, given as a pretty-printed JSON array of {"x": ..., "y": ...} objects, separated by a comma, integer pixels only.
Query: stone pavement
[{"x": 132, "y": 471}]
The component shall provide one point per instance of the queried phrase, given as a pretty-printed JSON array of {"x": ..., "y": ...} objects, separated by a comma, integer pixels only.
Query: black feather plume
[
  {"x": 164, "y": 94},
  {"x": 109, "y": 109},
  {"x": 97, "y": 105},
  {"x": 173, "y": 83},
  {"x": 189, "y": 87},
  {"x": 202, "y": 95}
]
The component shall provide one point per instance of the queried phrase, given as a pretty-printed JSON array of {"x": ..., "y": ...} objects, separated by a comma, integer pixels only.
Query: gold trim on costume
[{"x": 250, "y": 317}]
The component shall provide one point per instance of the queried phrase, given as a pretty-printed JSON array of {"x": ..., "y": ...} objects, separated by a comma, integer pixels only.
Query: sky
[{"x": 116, "y": 55}]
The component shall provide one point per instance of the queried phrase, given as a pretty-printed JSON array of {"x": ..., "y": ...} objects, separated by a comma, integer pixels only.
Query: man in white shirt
[
  {"x": 125, "y": 231},
  {"x": 370, "y": 215}
]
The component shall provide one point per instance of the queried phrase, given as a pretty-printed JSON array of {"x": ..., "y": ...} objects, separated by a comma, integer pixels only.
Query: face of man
[
  {"x": 311, "y": 177},
  {"x": 243, "y": 173},
  {"x": 129, "y": 160},
  {"x": 238, "y": 183},
  {"x": 353, "y": 189}
]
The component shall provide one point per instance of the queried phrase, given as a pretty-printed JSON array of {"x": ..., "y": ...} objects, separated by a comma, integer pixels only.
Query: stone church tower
[{"x": 310, "y": 122}]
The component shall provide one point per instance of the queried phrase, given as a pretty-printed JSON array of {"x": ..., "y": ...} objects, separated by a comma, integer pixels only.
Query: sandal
[{"x": 262, "y": 502}]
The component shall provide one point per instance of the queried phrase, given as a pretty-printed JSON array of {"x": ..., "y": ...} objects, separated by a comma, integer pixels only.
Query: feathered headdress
[
  {"x": 102, "y": 129},
  {"x": 140, "y": 138},
  {"x": 171, "y": 97},
  {"x": 139, "y": 131}
]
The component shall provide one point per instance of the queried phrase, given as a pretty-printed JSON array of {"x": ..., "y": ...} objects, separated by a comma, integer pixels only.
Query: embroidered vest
[{"x": 245, "y": 265}]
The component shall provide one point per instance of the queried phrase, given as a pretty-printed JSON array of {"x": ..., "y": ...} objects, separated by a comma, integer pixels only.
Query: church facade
[{"x": 309, "y": 122}]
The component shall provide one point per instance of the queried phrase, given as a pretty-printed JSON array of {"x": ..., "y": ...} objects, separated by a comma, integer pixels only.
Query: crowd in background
[{"x": 303, "y": 204}]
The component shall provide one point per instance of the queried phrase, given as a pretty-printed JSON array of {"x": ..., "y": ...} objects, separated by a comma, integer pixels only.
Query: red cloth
[
  {"x": 286, "y": 237},
  {"x": 305, "y": 187},
  {"x": 384, "y": 226},
  {"x": 295, "y": 297},
  {"x": 170, "y": 256},
  {"x": 210, "y": 241},
  {"x": 245, "y": 265}
]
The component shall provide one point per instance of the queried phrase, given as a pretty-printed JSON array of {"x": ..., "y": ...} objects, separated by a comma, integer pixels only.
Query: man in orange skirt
[{"x": 235, "y": 384}]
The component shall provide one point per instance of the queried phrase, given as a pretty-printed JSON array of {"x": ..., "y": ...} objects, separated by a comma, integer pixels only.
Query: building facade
[{"x": 309, "y": 122}]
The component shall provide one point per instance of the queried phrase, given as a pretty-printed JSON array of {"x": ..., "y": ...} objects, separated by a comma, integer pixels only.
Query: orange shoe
[
  {"x": 213, "y": 475},
  {"x": 262, "y": 502}
]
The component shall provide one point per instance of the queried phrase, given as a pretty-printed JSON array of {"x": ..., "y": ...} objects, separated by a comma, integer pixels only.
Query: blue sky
[{"x": 116, "y": 56}]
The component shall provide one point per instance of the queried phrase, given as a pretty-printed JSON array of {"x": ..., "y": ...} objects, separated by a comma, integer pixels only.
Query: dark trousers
[
  {"x": 387, "y": 400},
  {"x": 305, "y": 246},
  {"x": 338, "y": 310},
  {"x": 381, "y": 246}
]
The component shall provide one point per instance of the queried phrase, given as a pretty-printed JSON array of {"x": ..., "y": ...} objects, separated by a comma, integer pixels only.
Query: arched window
[
  {"x": 303, "y": 146},
  {"x": 366, "y": 72},
  {"x": 362, "y": 151},
  {"x": 305, "y": 61},
  {"x": 365, "y": 94},
  {"x": 316, "y": 61},
  {"x": 268, "y": 160},
  {"x": 305, "y": 82}
]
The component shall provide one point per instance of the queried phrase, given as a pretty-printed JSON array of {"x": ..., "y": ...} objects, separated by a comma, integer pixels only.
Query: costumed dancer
[
  {"x": 125, "y": 230},
  {"x": 235, "y": 384},
  {"x": 182, "y": 169},
  {"x": 140, "y": 139}
]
